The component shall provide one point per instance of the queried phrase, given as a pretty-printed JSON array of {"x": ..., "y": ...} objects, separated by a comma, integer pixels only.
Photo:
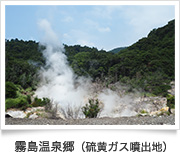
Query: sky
[{"x": 101, "y": 26}]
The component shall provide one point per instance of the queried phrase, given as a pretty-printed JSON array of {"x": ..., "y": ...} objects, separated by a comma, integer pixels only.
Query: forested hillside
[
  {"x": 149, "y": 64},
  {"x": 117, "y": 50},
  {"x": 23, "y": 59}
]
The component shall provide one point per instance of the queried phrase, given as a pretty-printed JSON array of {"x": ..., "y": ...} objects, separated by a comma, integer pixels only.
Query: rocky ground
[{"x": 141, "y": 120}]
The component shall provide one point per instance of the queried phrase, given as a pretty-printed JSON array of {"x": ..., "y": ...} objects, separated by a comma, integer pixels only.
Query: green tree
[{"x": 11, "y": 90}]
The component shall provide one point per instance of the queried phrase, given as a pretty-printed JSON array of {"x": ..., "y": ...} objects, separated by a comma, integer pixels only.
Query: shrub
[
  {"x": 171, "y": 101},
  {"x": 46, "y": 101},
  {"x": 91, "y": 109},
  {"x": 36, "y": 102},
  {"x": 70, "y": 111},
  {"x": 10, "y": 103},
  {"x": 29, "y": 99},
  {"x": 19, "y": 102},
  {"x": 40, "y": 102},
  {"x": 11, "y": 90},
  {"x": 143, "y": 111}
]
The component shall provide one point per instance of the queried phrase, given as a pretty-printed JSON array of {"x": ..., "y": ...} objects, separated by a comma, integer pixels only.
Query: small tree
[
  {"x": 11, "y": 90},
  {"x": 91, "y": 109}
]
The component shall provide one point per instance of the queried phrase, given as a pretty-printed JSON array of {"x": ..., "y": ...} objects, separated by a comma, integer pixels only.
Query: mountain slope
[
  {"x": 148, "y": 64},
  {"x": 116, "y": 50},
  {"x": 154, "y": 53}
]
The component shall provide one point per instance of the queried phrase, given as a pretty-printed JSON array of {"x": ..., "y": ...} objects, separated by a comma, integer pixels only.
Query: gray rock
[
  {"x": 16, "y": 113},
  {"x": 33, "y": 116}
]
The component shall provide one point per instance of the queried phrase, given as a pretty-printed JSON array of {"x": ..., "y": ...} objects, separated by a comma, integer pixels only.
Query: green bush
[
  {"x": 143, "y": 111},
  {"x": 19, "y": 102},
  {"x": 170, "y": 101},
  {"x": 10, "y": 103},
  {"x": 91, "y": 109},
  {"x": 29, "y": 99},
  {"x": 40, "y": 102},
  {"x": 11, "y": 90}
]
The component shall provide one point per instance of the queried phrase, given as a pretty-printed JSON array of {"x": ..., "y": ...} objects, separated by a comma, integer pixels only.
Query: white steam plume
[
  {"x": 57, "y": 78},
  {"x": 59, "y": 84}
]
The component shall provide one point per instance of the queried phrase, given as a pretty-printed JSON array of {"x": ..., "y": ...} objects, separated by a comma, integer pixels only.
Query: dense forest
[{"x": 148, "y": 64}]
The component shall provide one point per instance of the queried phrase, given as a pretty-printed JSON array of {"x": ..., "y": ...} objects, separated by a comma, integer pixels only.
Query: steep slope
[
  {"x": 151, "y": 59},
  {"x": 156, "y": 52}
]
